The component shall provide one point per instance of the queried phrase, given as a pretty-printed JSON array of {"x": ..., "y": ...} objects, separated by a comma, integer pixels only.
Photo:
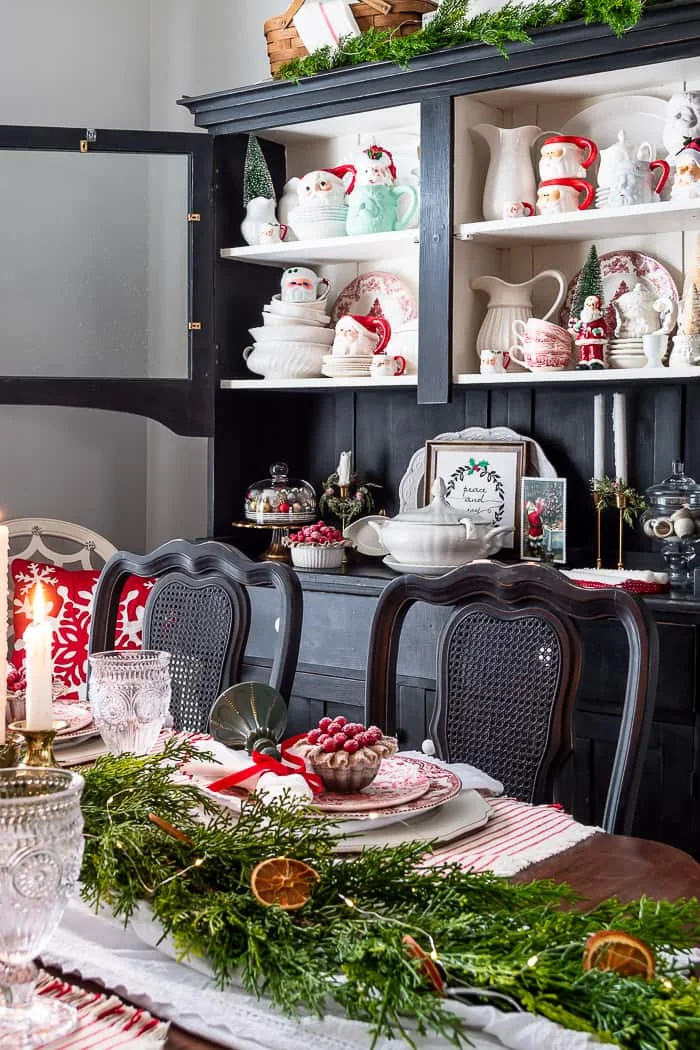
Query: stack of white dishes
[
  {"x": 338, "y": 366},
  {"x": 292, "y": 341},
  {"x": 626, "y": 352},
  {"x": 601, "y": 196}
]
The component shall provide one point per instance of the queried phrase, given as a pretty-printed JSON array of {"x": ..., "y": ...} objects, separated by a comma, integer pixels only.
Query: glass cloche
[
  {"x": 281, "y": 500},
  {"x": 673, "y": 519}
]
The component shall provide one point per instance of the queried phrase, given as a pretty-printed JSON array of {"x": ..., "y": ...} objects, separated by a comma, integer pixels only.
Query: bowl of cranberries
[
  {"x": 346, "y": 755},
  {"x": 318, "y": 546}
]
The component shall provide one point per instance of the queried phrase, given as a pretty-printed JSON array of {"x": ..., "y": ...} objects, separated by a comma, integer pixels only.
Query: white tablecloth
[{"x": 97, "y": 948}]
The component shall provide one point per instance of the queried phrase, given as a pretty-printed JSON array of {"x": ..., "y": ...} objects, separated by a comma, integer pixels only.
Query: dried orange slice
[
  {"x": 283, "y": 881},
  {"x": 619, "y": 951},
  {"x": 427, "y": 966}
]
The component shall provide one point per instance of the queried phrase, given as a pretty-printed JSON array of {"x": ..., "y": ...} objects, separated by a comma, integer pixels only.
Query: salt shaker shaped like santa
[{"x": 590, "y": 332}]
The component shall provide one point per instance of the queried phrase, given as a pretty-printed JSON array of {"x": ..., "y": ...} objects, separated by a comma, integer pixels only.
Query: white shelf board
[
  {"x": 591, "y": 224},
  {"x": 322, "y": 383},
  {"x": 598, "y": 375},
  {"x": 360, "y": 248}
]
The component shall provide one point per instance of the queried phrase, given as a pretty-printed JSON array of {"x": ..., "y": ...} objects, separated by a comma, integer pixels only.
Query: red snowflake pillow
[{"x": 69, "y": 594}]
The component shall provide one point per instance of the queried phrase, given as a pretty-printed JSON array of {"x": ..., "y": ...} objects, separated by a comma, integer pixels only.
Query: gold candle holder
[
  {"x": 344, "y": 491},
  {"x": 9, "y": 751},
  {"x": 598, "y": 500},
  {"x": 38, "y": 744},
  {"x": 621, "y": 500}
]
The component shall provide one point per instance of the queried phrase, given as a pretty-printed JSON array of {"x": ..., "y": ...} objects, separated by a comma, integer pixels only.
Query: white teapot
[{"x": 436, "y": 535}]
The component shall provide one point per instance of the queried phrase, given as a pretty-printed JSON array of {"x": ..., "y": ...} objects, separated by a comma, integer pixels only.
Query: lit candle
[
  {"x": 37, "y": 640},
  {"x": 344, "y": 468},
  {"x": 598, "y": 436},
  {"x": 620, "y": 436},
  {"x": 4, "y": 557}
]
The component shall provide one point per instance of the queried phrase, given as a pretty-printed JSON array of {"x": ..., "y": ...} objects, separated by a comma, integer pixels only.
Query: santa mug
[
  {"x": 493, "y": 362},
  {"x": 302, "y": 285},
  {"x": 566, "y": 157},
  {"x": 556, "y": 196},
  {"x": 517, "y": 209},
  {"x": 272, "y": 232},
  {"x": 359, "y": 336},
  {"x": 384, "y": 365},
  {"x": 326, "y": 186}
]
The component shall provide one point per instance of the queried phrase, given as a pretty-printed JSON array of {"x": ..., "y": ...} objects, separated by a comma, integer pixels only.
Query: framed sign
[
  {"x": 543, "y": 509},
  {"x": 482, "y": 480}
]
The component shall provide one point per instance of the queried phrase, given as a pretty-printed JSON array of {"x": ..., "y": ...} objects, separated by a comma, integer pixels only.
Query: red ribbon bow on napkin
[{"x": 266, "y": 764}]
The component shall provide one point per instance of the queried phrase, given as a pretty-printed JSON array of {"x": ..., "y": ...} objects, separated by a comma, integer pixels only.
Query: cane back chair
[
  {"x": 199, "y": 612},
  {"x": 509, "y": 663}
]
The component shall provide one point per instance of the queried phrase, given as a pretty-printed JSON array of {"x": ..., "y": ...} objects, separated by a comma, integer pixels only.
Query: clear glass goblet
[
  {"x": 129, "y": 693},
  {"x": 41, "y": 849}
]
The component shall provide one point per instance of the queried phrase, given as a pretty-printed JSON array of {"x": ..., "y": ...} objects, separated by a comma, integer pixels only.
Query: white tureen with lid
[{"x": 435, "y": 535}]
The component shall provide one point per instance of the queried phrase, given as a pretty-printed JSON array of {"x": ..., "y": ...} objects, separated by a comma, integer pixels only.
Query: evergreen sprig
[
  {"x": 345, "y": 944},
  {"x": 452, "y": 25}
]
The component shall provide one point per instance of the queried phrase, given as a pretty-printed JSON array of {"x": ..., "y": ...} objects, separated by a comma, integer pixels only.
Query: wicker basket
[{"x": 284, "y": 43}]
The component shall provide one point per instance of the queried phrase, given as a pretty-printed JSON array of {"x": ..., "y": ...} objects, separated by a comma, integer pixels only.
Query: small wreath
[
  {"x": 481, "y": 470},
  {"x": 358, "y": 503}
]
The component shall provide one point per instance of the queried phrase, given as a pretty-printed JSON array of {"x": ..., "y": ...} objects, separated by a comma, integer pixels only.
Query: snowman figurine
[{"x": 686, "y": 177}]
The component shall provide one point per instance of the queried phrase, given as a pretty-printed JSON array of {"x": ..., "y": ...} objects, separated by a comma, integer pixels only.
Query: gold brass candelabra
[{"x": 38, "y": 743}]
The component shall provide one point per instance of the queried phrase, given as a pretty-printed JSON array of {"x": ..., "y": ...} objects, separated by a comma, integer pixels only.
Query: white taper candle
[
  {"x": 620, "y": 436},
  {"x": 598, "y": 436}
]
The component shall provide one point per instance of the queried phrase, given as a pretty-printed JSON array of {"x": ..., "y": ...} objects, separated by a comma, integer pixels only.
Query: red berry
[
  {"x": 335, "y": 727},
  {"x": 330, "y": 745},
  {"x": 351, "y": 746},
  {"x": 374, "y": 729},
  {"x": 340, "y": 720},
  {"x": 283, "y": 508},
  {"x": 374, "y": 735},
  {"x": 341, "y": 738},
  {"x": 324, "y": 723},
  {"x": 363, "y": 740},
  {"x": 313, "y": 735}
]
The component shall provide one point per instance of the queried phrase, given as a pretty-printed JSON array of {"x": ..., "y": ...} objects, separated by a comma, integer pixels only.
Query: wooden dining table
[{"x": 601, "y": 866}]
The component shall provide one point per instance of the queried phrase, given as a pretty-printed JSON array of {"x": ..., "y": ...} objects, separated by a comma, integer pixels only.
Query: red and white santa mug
[
  {"x": 566, "y": 156},
  {"x": 556, "y": 196},
  {"x": 387, "y": 365},
  {"x": 358, "y": 335}
]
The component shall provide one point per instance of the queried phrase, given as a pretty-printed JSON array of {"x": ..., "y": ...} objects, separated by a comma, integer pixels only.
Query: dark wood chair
[
  {"x": 508, "y": 667},
  {"x": 199, "y": 611}
]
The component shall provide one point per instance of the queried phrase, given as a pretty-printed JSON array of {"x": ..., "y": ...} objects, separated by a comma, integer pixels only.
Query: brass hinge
[
  {"x": 90, "y": 136},
  {"x": 195, "y": 326},
  {"x": 194, "y": 216}
]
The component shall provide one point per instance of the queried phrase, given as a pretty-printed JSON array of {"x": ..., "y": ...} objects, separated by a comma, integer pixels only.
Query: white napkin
[
  {"x": 227, "y": 761},
  {"x": 471, "y": 777}
]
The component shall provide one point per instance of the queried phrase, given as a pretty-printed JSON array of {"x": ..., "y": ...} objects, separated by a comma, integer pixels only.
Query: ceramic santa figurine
[
  {"x": 686, "y": 178},
  {"x": 375, "y": 167},
  {"x": 590, "y": 332}
]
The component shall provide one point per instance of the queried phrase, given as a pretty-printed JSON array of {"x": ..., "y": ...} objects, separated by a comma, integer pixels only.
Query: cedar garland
[
  {"x": 489, "y": 933},
  {"x": 452, "y": 26}
]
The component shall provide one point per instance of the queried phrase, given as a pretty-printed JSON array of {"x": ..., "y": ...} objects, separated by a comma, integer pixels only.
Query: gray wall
[{"x": 122, "y": 65}]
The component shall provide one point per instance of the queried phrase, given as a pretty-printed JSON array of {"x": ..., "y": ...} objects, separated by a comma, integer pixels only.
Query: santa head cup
[
  {"x": 301, "y": 285},
  {"x": 357, "y": 336},
  {"x": 326, "y": 187},
  {"x": 375, "y": 167}
]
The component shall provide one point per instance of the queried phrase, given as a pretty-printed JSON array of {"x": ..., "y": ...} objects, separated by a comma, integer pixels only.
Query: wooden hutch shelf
[
  {"x": 587, "y": 225},
  {"x": 402, "y": 243},
  {"x": 600, "y": 375},
  {"x": 360, "y": 383}
]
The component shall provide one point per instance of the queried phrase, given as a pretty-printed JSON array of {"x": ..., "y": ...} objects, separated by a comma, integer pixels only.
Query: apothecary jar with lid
[{"x": 672, "y": 518}]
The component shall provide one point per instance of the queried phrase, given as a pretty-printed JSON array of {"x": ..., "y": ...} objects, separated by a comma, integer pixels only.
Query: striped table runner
[
  {"x": 517, "y": 835},
  {"x": 105, "y": 1022}
]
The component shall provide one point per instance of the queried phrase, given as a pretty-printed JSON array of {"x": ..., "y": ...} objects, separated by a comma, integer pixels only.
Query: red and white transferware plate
[
  {"x": 397, "y": 782},
  {"x": 620, "y": 272},
  {"x": 80, "y": 724},
  {"x": 443, "y": 785},
  {"x": 377, "y": 294}
]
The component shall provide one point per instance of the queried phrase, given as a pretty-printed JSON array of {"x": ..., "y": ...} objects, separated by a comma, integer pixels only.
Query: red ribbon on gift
[{"x": 266, "y": 764}]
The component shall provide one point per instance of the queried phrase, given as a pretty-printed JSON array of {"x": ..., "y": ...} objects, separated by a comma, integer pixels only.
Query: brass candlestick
[
  {"x": 598, "y": 500},
  {"x": 621, "y": 500},
  {"x": 9, "y": 751},
  {"x": 38, "y": 743}
]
